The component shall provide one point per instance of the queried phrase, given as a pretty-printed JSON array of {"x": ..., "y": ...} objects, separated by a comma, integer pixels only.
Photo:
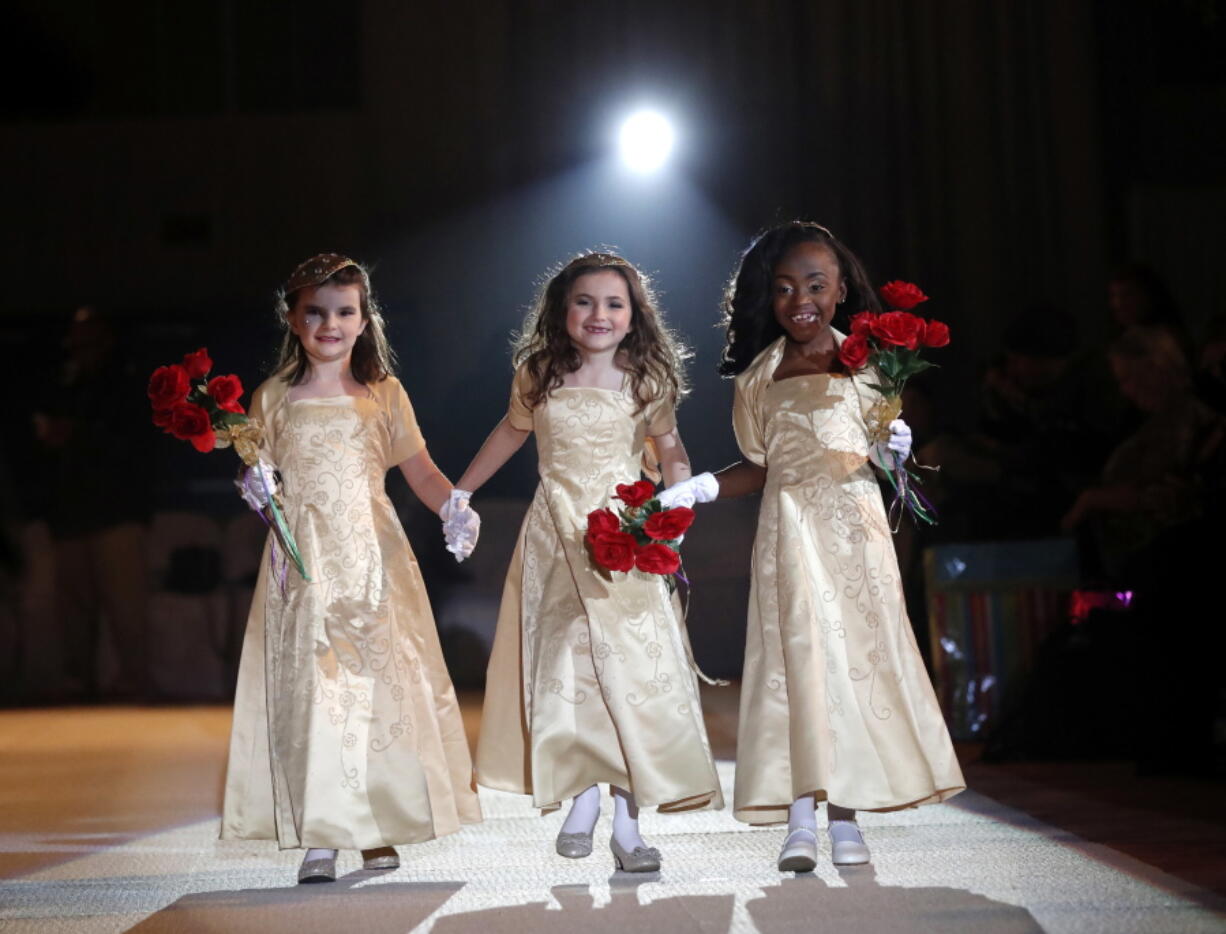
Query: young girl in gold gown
[
  {"x": 589, "y": 679},
  {"x": 835, "y": 701},
  {"x": 346, "y": 730}
]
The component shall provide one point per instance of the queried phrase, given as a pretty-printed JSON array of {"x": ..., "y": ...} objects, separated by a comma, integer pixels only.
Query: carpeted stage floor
[{"x": 108, "y": 822}]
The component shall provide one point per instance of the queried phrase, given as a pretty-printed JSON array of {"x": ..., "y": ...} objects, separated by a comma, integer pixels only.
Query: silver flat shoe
[
  {"x": 385, "y": 857},
  {"x": 851, "y": 850},
  {"x": 799, "y": 853},
  {"x": 643, "y": 859},
  {"x": 574, "y": 845},
  {"x": 317, "y": 870}
]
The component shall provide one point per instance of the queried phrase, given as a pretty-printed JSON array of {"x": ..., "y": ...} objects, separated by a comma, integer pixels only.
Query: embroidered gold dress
[
  {"x": 835, "y": 699},
  {"x": 589, "y": 679},
  {"x": 346, "y": 730}
]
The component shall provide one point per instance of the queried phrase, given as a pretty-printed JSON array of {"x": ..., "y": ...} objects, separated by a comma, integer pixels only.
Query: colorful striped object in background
[{"x": 990, "y": 607}]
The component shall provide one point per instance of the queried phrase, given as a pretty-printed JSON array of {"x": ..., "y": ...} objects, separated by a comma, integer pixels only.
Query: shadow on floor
[
  {"x": 797, "y": 904},
  {"x": 390, "y": 908},
  {"x": 869, "y": 908}
]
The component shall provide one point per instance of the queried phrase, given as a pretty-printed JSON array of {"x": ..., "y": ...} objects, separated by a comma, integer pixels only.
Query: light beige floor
[{"x": 108, "y": 822}]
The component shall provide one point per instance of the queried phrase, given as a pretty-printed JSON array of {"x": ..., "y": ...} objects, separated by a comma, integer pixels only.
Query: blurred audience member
[
  {"x": 1049, "y": 414},
  {"x": 1138, "y": 297},
  {"x": 96, "y": 425},
  {"x": 1154, "y": 480},
  {"x": 1210, "y": 379}
]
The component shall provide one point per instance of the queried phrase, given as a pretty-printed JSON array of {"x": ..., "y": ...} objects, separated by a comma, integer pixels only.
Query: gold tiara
[{"x": 318, "y": 268}]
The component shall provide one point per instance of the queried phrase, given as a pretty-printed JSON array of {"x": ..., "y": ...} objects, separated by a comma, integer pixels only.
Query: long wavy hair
[
  {"x": 373, "y": 359},
  {"x": 652, "y": 354},
  {"x": 749, "y": 314}
]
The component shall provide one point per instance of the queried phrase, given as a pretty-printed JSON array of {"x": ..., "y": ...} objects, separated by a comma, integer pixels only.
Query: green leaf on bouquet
[
  {"x": 223, "y": 419},
  {"x": 888, "y": 364},
  {"x": 914, "y": 367}
]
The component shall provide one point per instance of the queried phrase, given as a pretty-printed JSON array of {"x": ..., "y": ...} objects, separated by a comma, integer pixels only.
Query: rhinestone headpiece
[{"x": 318, "y": 268}]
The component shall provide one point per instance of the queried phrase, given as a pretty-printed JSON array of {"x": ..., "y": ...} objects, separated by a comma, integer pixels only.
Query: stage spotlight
[{"x": 645, "y": 140}]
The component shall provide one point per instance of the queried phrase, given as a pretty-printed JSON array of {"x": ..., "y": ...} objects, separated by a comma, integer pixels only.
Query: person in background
[{"x": 96, "y": 428}]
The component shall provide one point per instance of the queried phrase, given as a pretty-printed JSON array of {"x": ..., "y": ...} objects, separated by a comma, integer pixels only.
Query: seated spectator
[{"x": 1153, "y": 481}]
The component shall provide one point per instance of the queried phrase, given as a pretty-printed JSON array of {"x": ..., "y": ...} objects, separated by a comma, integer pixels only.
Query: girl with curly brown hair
[
  {"x": 589, "y": 679},
  {"x": 346, "y": 731}
]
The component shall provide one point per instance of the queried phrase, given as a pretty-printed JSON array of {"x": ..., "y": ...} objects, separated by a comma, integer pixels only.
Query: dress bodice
[
  {"x": 332, "y": 454},
  {"x": 588, "y": 441}
]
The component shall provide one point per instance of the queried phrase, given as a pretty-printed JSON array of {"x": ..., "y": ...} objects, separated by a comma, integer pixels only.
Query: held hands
[
  {"x": 461, "y": 524},
  {"x": 256, "y": 483},
  {"x": 703, "y": 488},
  {"x": 895, "y": 450}
]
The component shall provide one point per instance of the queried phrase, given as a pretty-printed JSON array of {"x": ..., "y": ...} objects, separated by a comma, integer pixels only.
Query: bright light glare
[{"x": 646, "y": 140}]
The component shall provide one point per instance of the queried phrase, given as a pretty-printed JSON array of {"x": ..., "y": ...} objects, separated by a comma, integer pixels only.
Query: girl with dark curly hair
[
  {"x": 589, "y": 679},
  {"x": 835, "y": 701}
]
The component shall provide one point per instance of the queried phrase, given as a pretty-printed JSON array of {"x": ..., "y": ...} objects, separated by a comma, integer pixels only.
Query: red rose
[
  {"x": 226, "y": 391},
  {"x": 936, "y": 334},
  {"x": 902, "y": 295},
  {"x": 198, "y": 364},
  {"x": 602, "y": 520},
  {"x": 862, "y": 323},
  {"x": 168, "y": 386},
  {"x": 613, "y": 550},
  {"x": 189, "y": 422},
  {"x": 899, "y": 328},
  {"x": 657, "y": 559},
  {"x": 161, "y": 418},
  {"x": 637, "y": 493},
  {"x": 855, "y": 351},
  {"x": 669, "y": 524}
]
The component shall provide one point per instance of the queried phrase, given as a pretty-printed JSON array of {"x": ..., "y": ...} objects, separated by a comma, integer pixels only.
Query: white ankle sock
[
  {"x": 318, "y": 853},
  {"x": 626, "y": 820},
  {"x": 584, "y": 810},
  {"x": 842, "y": 823},
  {"x": 802, "y": 814}
]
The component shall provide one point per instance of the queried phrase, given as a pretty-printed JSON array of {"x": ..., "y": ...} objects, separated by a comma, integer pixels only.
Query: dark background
[{"x": 170, "y": 162}]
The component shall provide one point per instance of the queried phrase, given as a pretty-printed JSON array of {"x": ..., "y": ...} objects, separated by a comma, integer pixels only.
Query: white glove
[
  {"x": 255, "y": 483},
  {"x": 894, "y": 451},
  {"x": 701, "y": 489},
  {"x": 461, "y": 524}
]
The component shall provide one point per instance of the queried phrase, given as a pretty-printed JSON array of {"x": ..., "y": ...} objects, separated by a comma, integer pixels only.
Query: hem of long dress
[
  {"x": 348, "y": 845},
  {"x": 764, "y": 815},
  {"x": 515, "y": 788},
  {"x": 705, "y": 798}
]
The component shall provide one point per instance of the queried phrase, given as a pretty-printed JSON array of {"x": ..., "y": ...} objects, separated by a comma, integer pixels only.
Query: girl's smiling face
[
  {"x": 598, "y": 311},
  {"x": 807, "y": 289},
  {"x": 328, "y": 321}
]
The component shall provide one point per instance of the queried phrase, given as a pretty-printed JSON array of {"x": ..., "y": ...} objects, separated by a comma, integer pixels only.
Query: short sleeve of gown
[
  {"x": 747, "y": 425},
  {"x": 405, "y": 436},
  {"x": 661, "y": 415},
  {"x": 256, "y": 410},
  {"x": 519, "y": 413},
  {"x": 264, "y": 404}
]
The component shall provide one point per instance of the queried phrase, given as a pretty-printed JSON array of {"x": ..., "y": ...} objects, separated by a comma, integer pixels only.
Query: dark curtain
[{"x": 952, "y": 143}]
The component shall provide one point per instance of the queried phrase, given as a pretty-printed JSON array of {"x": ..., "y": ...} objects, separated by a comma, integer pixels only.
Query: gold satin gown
[
  {"x": 589, "y": 678},
  {"x": 835, "y": 699},
  {"x": 346, "y": 729}
]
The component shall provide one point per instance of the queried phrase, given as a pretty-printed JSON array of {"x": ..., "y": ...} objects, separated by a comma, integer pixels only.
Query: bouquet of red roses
[
  {"x": 890, "y": 342},
  {"x": 206, "y": 412},
  {"x": 641, "y": 535}
]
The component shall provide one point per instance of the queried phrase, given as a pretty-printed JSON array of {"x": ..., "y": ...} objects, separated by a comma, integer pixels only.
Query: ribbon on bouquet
[
  {"x": 907, "y": 495},
  {"x": 274, "y": 519},
  {"x": 685, "y": 635}
]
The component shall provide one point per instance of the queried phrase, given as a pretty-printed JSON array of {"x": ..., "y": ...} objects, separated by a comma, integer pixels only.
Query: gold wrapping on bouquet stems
[
  {"x": 884, "y": 411},
  {"x": 246, "y": 440}
]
